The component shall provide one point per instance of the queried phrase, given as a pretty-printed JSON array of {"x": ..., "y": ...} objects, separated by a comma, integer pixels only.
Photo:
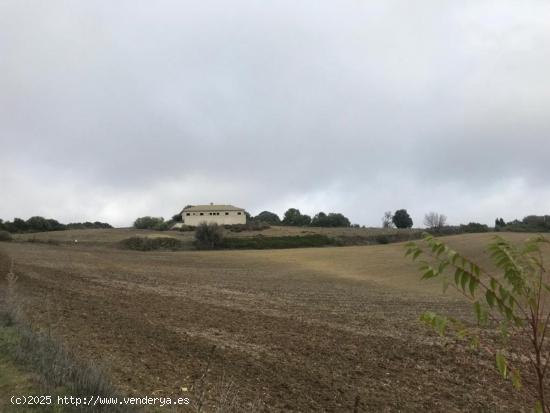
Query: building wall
[{"x": 224, "y": 217}]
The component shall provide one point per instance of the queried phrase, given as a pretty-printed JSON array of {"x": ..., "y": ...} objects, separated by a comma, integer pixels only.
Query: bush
[
  {"x": 473, "y": 227},
  {"x": 149, "y": 223},
  {"x": 261, "y": 242},
  {"x": 382, "y": 239},
  {"x": 186, "y": 228},
  {"x": 251, "y": 226},
  {"x": 209, "y": 236},
  {"x": 5, "y": 236},
  {"x": 88, "y": 225},
  {"x": 150, "y": 244}
]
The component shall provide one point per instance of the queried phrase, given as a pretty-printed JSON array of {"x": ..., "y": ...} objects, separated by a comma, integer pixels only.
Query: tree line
[
  {"x": 293, "y": 217},
  {"x": 41, "y": 224}
]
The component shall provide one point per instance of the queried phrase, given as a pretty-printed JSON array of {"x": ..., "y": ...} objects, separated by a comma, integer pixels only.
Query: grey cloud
[{"x": 111, "y": 110}]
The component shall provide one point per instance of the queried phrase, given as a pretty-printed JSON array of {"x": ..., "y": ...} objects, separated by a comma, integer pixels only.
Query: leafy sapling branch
[{"x": 514, "y": 299}]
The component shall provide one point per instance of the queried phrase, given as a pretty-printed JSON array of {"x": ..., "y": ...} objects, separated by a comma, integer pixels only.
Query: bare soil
[{"x": 304, "y": 330}]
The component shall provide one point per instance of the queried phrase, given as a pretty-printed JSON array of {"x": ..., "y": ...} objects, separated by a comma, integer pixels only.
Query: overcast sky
[{"x": 114, "y": 110}]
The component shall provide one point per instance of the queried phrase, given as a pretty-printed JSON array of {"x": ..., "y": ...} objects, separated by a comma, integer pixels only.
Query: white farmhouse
[{"x": 220, "y": 214}]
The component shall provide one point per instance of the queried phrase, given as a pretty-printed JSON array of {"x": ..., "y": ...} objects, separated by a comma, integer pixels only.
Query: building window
[
  {"x": 227, "y": 213},
  {"x": 238, "y": 213},
  {"x": 201, "y": 213},
  {"x": 188, "y": 214}
]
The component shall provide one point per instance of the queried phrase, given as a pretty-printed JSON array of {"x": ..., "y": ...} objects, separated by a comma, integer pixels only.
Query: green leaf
[
  {"x": 453, "y": 255},
  {"x": 440, "y": 325},
  {"x": 516, "y": 379},
  {"x": 493, "y": 283},
  {"x": 430, "y": 273},
  {"x": 458, "y": 275},
  {"x": 442, "y": 266},
  {"x": 509, "y": 313},
  {"x": 503, "y": 293},
  {"x": 490, "y": 297},
  {"x": 427, "y": 317},
  {"x": 538, "y": 407},
  {"x": 474, "y": 282},
  {"x": 501, "y": 364},
  {"x": 416, "y": 254},
  {"x": 464, "y": 280},
  {"x": 477, "y": 310}
]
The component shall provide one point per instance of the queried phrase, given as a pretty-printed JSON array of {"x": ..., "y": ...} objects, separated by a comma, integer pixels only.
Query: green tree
[
  {"x": 268, "y": 217},
  {"x": 149, "y": 223},
  {"x": 293, "y": 217},
  {"x": 514, "y": 301},
  {"x": 20, "y": 225},
  {"x": 402, "y": 219},
  {"x": 474, "y": 227},
  {"x": 330, "y": 220}
]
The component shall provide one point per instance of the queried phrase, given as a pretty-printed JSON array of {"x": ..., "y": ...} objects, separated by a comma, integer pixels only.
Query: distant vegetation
[
  {"x": 402, "y": 219},
  {"x": 5, "y": 236},
  {"x": 249, "y": 226},
  {"x": 261, "y": 242},
  {"x": 156, "y": 223},
  {"x": 41, "y": 224},
  {"x": 151, "y": 244},
  {"x": 270, "y": 218},
  {"x": 209, "y": 236},
  {"x": 435, "y": 220},
  {"x": 474, "y": 227},
  {"x": 531, "y": 223},
  {"x": 330, "y": 220},
  {"x": 293, "y": 217}
]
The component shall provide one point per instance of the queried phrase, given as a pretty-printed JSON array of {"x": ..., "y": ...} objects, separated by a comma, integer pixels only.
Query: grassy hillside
[{"x": 278, "y": 236}]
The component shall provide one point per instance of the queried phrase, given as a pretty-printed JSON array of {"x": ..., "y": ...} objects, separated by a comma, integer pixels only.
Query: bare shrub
[
  {"x": 387, "y": 220},
  {"x": 435, "y": 220},
  {"x": 209, "y": 236}
]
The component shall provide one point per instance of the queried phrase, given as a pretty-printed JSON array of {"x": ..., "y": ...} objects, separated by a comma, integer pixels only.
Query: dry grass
[
  {"x": 328, "y": 329},
  {"x": 55, "y": 370},
  {"x": 99, "y": 237}
]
